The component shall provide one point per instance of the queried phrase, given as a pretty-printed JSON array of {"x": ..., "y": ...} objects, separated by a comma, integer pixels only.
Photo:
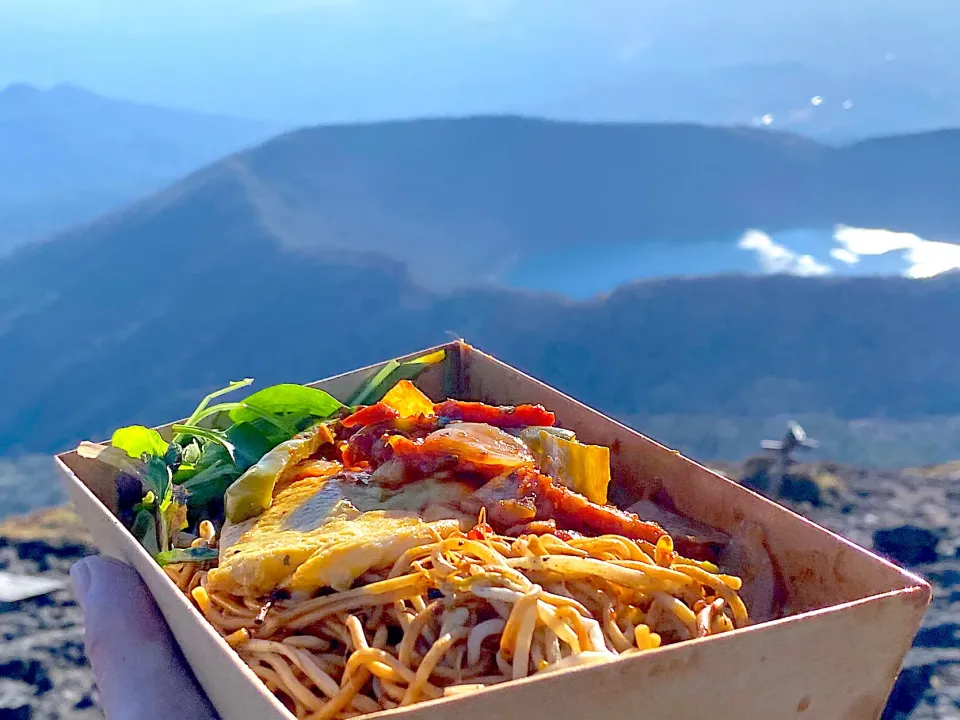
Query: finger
[{"x": 137, "y": 665}]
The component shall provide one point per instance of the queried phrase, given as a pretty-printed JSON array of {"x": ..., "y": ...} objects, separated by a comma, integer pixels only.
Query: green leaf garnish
[
  {"x": 250, "y": 410},
  {"x": 373, "y": 390},
  {"x": 364, "y": 393},
  {"x": 157, "y": 476},
  {"x": 138, "y": 440},
  {"x": 286, "y": 399},
  {"x": 253, "y": 440},
  {"x": 185, "y": 555},
  {"x": 210, "y": 484},
  {"x": 144, "y": 529},
  {"x": 235, "y": 385}
]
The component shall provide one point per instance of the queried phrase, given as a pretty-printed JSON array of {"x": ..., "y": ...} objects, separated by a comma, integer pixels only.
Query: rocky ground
[
  {"x": 913, "y": 516},
  {"x": 925, "y": 507},
  {"x": 43, "y": 669}
]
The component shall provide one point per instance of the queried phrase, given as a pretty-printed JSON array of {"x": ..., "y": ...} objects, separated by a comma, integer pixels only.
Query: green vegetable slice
[
  {"x": 583, "y": 468},
  {"x": 186, "y": 555},
  {"x": 252, "y": 492},
  {"x": 531, "y": 436}
]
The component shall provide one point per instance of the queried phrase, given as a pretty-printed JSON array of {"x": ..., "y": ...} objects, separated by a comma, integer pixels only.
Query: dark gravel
[
  {"x": 43, "y": 668},
  {"x": 915, "y": 516}
]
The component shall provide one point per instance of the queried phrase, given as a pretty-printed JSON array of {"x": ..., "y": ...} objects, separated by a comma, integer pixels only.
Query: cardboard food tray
[{"x": 852, "y": 615}]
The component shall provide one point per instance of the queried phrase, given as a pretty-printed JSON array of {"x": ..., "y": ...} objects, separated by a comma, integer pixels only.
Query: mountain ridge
[
  {"x": 328, "y": 241},
  {"x": 68, "y": 155}
]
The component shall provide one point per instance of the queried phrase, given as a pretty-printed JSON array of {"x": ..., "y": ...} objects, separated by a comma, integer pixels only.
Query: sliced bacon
[
  {"x": 499, "y": 416},
  {"x": 370, "y": 415},
  {"x": 573, "y": 511}
]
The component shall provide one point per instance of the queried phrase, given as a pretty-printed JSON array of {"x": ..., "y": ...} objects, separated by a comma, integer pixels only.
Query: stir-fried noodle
[{"x": 466, "y": 612}]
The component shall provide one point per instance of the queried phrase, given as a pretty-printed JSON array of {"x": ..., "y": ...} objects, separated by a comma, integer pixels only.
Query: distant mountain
[
  {"x": 332, "y": 247},
  {"x": 312, "y": 61},
  {"x": 464, "y": 200},
  {"x": 68, "y": 155},
  {"x": 884, "y": 97}
]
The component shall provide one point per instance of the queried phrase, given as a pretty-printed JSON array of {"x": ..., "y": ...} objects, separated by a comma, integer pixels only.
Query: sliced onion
[{"x": 478, "y": 443}]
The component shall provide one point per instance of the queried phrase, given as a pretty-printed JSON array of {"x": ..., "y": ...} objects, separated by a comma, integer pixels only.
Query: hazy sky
[{"x": 306, "y": 60}]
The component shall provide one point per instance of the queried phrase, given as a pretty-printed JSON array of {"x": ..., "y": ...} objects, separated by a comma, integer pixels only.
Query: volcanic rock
[{"x": 907, "y": 544}]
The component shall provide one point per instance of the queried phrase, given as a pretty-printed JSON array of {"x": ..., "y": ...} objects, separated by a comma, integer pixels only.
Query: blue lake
[{"x": 586, "y": 270}]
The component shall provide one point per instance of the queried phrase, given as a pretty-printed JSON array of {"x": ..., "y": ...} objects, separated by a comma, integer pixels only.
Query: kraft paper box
[{"x": 850, "y": 615}]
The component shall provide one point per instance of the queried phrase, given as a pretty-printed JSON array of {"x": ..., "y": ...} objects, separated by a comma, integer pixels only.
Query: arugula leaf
[
  {"x": 253, "y": 440},
  {"x": 191, "y": 422},
  {"x": 185, "y": 555},
  {"x": 141, "y": 523},
  {"x": 252, "y": 411},
  {"x": 286, "y": 399},
  {"x": 214, "y": 454},
  {"x": 210, "y": 484},
  {"x": 216, "y": 468},
  {"x": 138, "y": 440},
  {"x": 234, "y": 385},
  {"x": 363, "y": 394},
  {"x": 158, "y": 476},
  {"x": 144, "y": 529},
  {"x": 373, "y": 390}
]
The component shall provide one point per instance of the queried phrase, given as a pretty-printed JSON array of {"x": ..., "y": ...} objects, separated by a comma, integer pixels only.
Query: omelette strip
[{"x": 327, "y": 532}]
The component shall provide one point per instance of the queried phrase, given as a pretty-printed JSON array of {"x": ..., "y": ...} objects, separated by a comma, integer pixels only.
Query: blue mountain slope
[{"x": 67, "y": 155}]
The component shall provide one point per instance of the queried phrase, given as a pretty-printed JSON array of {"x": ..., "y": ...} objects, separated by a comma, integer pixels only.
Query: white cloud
[
  {"x": 844, "y": 256},
  {"x": 809, "y": 265},
  {"x": 865, "y": 241},
  {"x": 925, "y": 258},
  {"x": 775, "y": 258}
]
